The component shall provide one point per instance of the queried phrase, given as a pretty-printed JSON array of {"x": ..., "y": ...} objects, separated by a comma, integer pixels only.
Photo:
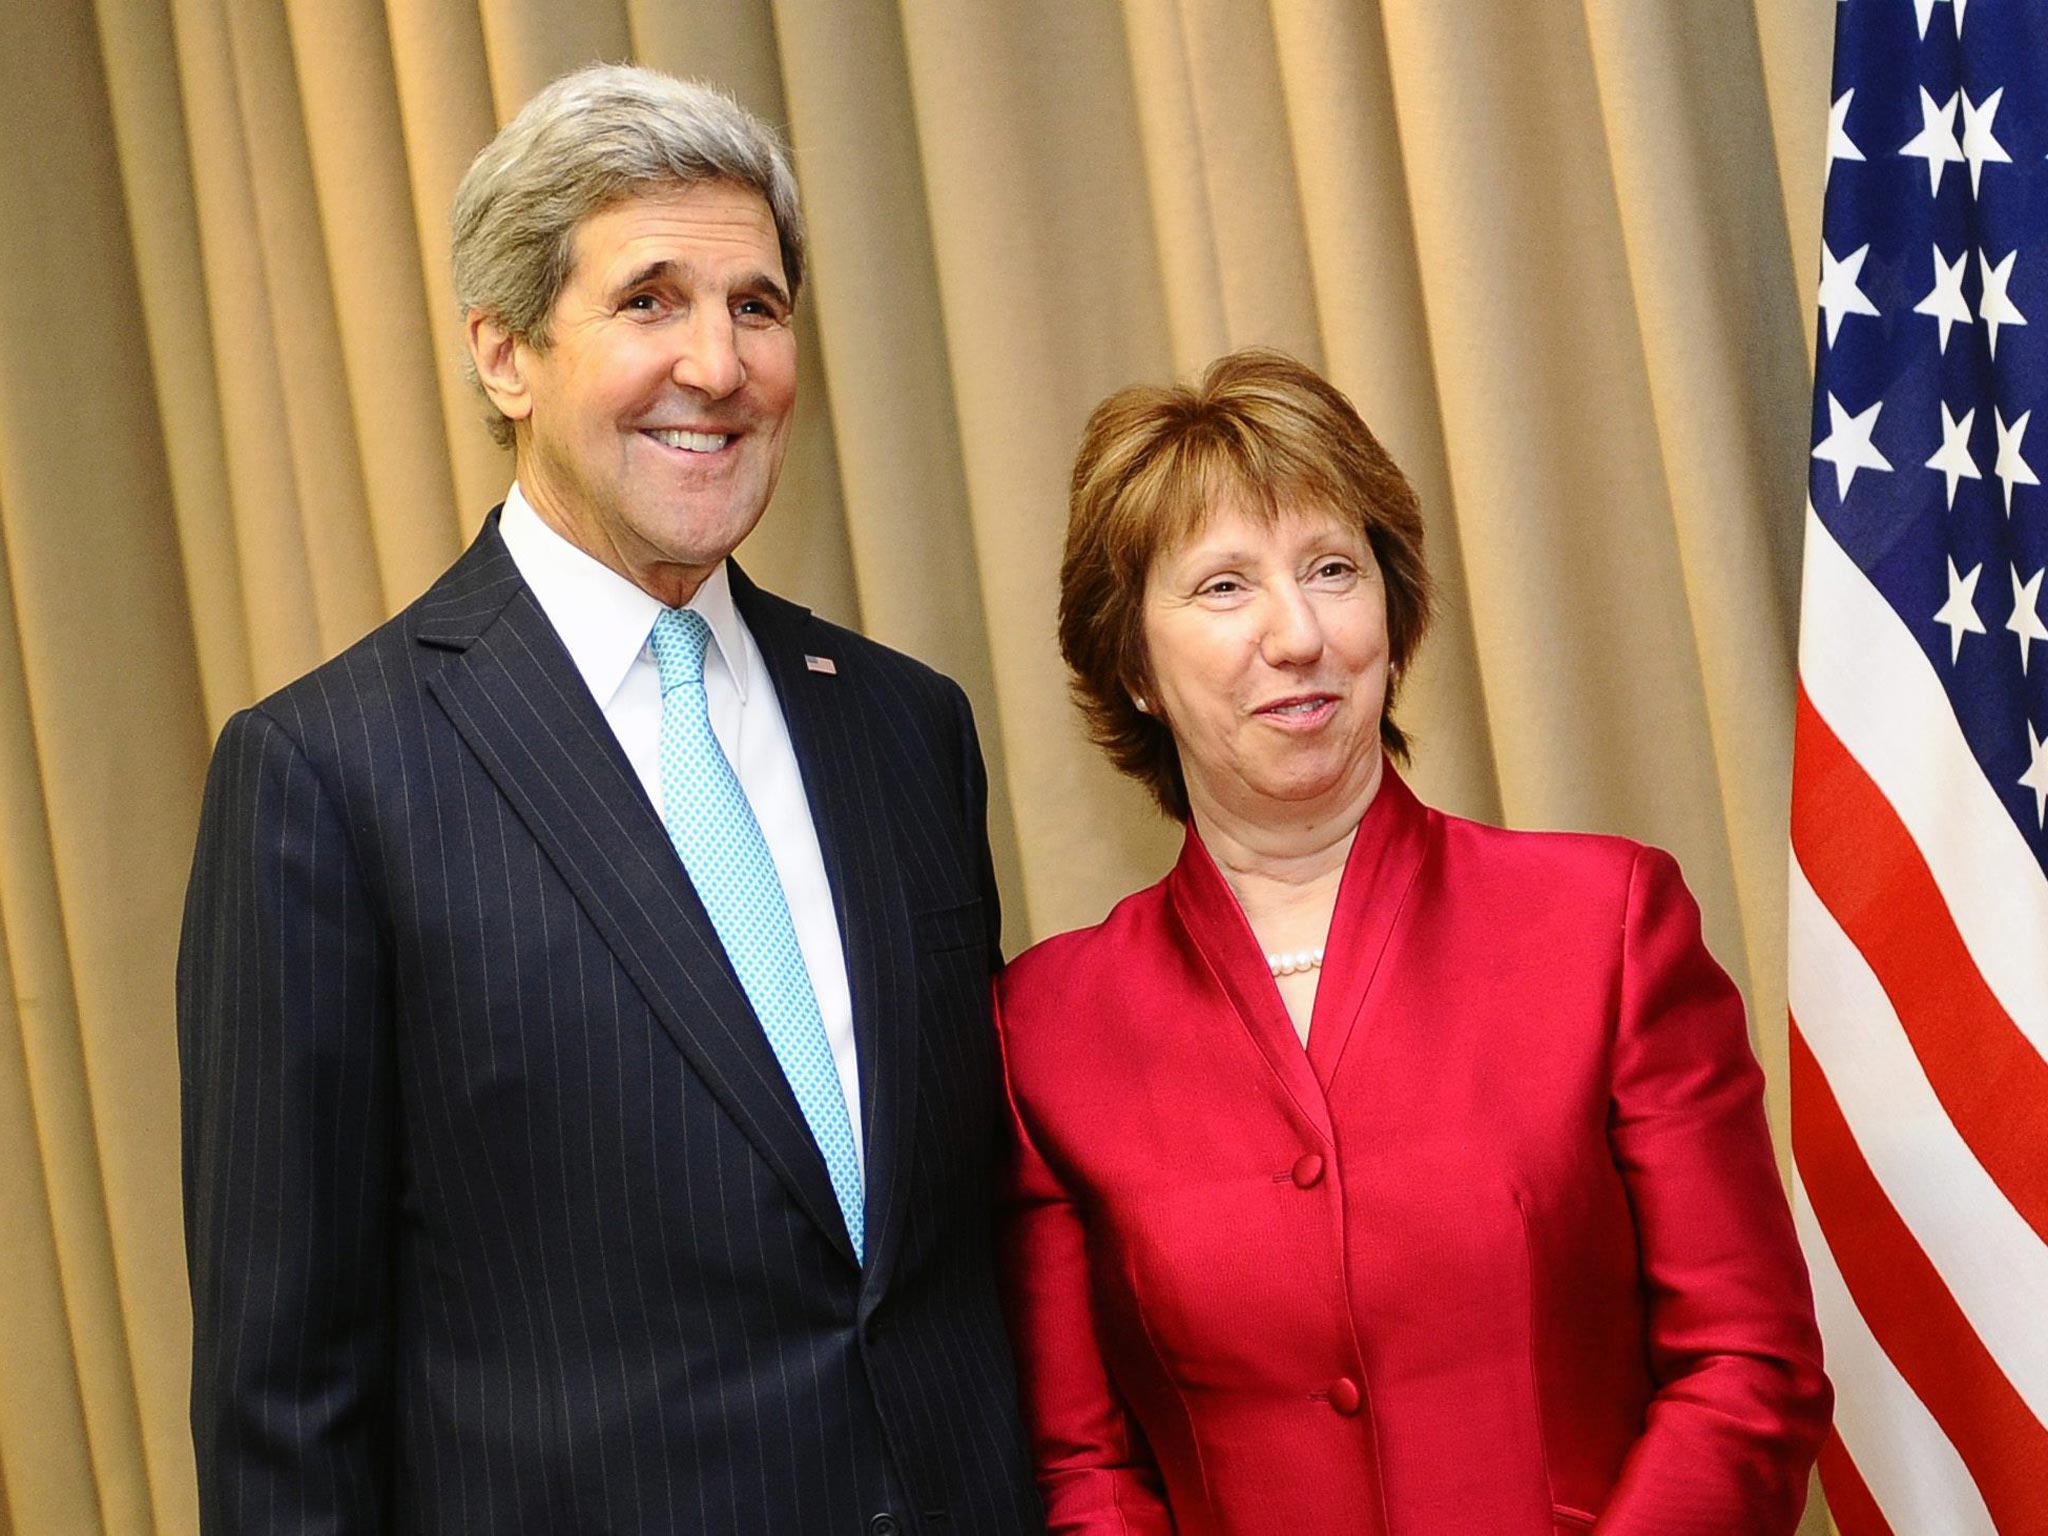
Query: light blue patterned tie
[{"x": 720, "y": 843}]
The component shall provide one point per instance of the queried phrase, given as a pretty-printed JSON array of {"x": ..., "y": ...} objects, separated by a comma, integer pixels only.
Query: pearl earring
[{"x": 1139, "y": 700}]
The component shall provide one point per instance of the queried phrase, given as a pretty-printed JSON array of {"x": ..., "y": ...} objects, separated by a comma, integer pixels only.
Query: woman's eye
[{"x": 1223, "y": 586}]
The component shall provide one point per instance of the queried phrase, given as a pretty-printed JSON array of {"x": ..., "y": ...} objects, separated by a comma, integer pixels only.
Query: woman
[{"x": 1376, "y": 1171}]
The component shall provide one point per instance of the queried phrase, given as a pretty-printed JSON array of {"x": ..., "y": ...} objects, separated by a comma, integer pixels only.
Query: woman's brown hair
[{"x": 1257, "y": 429}]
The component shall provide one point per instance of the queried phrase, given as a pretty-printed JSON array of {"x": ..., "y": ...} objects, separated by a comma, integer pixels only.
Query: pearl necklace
[{"x": 1293, "y": 964}]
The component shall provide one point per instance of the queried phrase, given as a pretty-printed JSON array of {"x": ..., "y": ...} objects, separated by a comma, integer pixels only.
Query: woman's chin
[
  {"x": 1290, "y": 796},
  {"x": 1332, "y": 770}
]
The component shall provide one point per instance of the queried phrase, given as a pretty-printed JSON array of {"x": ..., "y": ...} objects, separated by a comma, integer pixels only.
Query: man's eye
[
  {"x": 643, "y": 303},
  {"x": 756, "y": 309}
]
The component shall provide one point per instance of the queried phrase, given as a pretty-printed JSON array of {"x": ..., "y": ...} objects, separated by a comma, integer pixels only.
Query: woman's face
[{"x": 1269, "y": 656}]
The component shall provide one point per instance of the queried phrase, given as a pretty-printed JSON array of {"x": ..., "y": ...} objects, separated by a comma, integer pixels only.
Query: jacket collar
[
  {"x": 602, "y": 618},
  {"x": 1378, "y": 873}
]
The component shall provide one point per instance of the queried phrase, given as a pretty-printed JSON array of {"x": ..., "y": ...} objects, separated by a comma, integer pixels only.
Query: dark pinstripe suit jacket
[{"x": 500, "y": 1213}]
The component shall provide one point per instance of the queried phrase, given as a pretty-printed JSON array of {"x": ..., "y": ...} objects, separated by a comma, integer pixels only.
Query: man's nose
[{"x": 707, "y": 357}]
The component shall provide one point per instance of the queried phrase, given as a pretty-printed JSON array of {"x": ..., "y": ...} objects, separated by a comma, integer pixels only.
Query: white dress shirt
[{"x": 604, "y": 621}]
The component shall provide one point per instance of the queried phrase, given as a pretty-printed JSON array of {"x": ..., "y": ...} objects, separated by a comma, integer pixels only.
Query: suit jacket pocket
[
  {"x": 1570, "y": 1521},
  {"x": 958, "y": 927}
]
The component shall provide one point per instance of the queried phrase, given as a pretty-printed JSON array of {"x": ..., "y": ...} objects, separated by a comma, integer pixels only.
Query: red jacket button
[
  {"x": 1308, "y": 1168},
  {"x": 1344, "y": 1396}
]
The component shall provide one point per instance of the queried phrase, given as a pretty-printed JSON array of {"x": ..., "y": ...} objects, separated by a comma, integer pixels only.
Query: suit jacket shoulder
[{"x": 461, "y": 602}]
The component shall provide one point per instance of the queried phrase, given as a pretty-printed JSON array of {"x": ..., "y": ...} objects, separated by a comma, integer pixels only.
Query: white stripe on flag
[
  {"x": 1874, "y": 688},
  {"x": 1993, "y": 1263},
  {"x": 1906, "y": 1462}
]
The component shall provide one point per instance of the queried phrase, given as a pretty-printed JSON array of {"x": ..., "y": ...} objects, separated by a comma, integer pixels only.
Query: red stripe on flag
[
  {"x": 1868, "y": 872},
  {"x": 1850, "y": 1505},
  {"x": 1910, "y": 1311}
]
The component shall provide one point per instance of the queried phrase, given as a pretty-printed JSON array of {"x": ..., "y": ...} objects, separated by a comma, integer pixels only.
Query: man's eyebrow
[
  {"x": 763, "y": 283},
  {"x": 641, "y": 276},
  {"x": 667, "y": 269}
]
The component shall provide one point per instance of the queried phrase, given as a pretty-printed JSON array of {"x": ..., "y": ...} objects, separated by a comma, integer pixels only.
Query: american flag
[{"x": 1919, "y": 906}]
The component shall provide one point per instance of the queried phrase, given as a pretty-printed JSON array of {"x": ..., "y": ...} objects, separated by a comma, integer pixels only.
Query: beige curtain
[{"x": 1560, "y": 254}]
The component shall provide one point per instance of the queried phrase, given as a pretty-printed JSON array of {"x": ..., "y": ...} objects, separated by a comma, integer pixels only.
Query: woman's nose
[{"x": 1294, "y": 634}]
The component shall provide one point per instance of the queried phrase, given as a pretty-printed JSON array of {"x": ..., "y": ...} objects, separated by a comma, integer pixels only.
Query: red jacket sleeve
[
  {"x": 1095, "y": 1471},
  {"x": 1741, "y": 1404}
]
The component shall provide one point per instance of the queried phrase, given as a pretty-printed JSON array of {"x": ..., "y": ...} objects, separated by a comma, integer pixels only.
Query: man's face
[{"x": 651, "y": 427}]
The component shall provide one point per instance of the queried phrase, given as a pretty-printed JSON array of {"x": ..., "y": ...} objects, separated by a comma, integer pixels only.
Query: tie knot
[{"x": 678, "y": 641}]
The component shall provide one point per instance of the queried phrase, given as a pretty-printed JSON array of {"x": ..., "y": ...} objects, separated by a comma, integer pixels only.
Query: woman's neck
[{"x": 1285, "y": 871}]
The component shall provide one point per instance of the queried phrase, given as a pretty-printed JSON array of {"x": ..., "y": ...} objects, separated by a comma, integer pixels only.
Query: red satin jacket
[{"x": 1502, "y": 1253}]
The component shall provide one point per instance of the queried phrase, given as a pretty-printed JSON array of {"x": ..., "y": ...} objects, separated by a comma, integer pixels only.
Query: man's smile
[{"x": 689, "y": 442}]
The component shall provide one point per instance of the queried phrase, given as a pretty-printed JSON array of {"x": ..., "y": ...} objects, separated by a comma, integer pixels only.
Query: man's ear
[{"x": 500, "y": 365}]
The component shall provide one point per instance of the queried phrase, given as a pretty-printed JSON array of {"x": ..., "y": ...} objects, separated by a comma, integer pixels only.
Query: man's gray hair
[{"x": 587, "y": 141}]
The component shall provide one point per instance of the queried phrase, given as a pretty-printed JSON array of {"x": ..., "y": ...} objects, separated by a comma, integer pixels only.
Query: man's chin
[{"x": 695, "y": 536}]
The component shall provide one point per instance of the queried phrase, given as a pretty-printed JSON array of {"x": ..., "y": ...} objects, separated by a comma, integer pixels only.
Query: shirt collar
[{"x": 602, "y": 618}]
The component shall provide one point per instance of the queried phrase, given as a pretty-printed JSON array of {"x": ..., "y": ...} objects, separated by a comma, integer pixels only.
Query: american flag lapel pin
[{"x": 824, "y": 664}]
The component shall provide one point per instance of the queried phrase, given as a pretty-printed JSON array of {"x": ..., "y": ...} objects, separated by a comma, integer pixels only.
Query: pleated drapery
[{"x": 1561, "y": 255}]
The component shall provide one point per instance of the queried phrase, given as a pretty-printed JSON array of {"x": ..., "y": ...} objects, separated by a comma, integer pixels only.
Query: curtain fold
[
  {"x": 341, "y": 67},
  {"x": 104, "y": 741},
  {"x": 157, "y": 189},
  {"x": 1710, "y": 272},
  {"x": 1048, "y": 291},
  {"x": 882, "y": 341},
  {"x": 443, "y": 89},
  {"x": 1367, "y": 294},
  {"x": 1561, "y": 257}
]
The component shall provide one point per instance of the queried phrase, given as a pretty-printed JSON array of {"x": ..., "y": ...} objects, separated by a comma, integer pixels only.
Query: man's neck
[{"x": 670, "y": 584}]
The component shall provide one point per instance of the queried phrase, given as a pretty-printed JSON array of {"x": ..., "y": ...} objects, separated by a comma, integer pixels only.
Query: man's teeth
[
  {"x": 1299, "y": 707},
  {"x": 693, "y": 442}
]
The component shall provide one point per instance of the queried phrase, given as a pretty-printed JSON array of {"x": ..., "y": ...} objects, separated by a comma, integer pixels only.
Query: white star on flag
[
  {"x": 1848, "y": 446},
  {"x": 1959, "y": 613},
  {"x": 1936, "y": 141},
  {"x": 2011, "y": 468},
  {"x": 2026, "y": 617},
  {"x": 1839, "y": 295},
  {"x": 2036, "y": 776},
  {"x": 1923, "y": 10},
  {"x": 1952, "y": 458},
  {"x": 1978, "y": 145},
  {"x": 1995, "y": 308},
  {"x": 1840, "y": 145},
  {"x": 1945, "y": 299}
]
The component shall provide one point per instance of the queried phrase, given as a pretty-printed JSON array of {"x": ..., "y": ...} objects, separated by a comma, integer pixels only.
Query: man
[{"x": 583, "y": 1001}]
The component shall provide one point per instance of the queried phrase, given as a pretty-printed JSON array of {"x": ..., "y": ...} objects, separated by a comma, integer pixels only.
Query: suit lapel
[
  {"x": 1208, "y": 910},
  {"x": 515, "y": 696},
  {"x": 1385, "y": 857},
  {"x": 844, "y": 783}
]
